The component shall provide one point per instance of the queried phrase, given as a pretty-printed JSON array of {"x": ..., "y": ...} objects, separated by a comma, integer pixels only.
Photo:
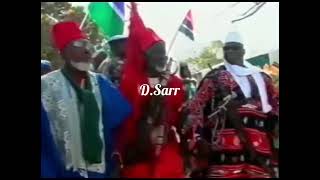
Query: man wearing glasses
[
  {"x": 235, "y": 112},
  {"x": 79, "y": 111}
]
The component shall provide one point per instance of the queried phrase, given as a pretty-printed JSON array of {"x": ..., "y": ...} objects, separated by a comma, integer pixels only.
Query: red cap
[
  {"x": 145, "y": 37},
  {"x": 64, "y": 33},
  {"x": 150, "y": 38}
]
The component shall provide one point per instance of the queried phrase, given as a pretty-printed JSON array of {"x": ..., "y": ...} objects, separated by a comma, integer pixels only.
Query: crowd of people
[{"x": 96, "y": 124}]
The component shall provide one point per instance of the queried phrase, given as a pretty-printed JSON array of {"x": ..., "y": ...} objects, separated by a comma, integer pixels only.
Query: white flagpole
[
  {"x": 84, "y": 19},
  {"x": 173, "y": 40},
  {"x": 175, "y": 35},
  {"x": 171, "y": 45}
]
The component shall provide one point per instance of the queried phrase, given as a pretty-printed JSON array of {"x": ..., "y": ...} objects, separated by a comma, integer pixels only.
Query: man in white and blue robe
[{"x": 80, "y": 112}]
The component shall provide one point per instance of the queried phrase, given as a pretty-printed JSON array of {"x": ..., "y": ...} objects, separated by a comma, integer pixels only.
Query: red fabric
[
  {"x": 237, "y": 171},
  {"x": 170, "y": 162},
  {"x": 244, "y": 111},
  {"x": 130, "y": 89},
  {"x": 139, "y": 40},
  {"x": 256, "y": 172},
  {"x": 189, "y": 18},
  {"x": 64, "y": 33},
  {"x": 145, "y": 37},
  {"x": 227, "y": 171},
  {"x": 260, "y": 141},
  {"x": 230, "y": 141}
]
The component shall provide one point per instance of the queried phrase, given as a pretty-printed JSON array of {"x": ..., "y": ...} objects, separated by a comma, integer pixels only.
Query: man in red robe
[{"x": 148, "y": 143}]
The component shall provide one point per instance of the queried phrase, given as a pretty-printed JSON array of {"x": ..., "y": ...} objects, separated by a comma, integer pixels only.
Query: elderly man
[
  {"x": 80, "y": 111},
  {"x": 235, "y": 111},
  {"x": 148, "y": 142}
]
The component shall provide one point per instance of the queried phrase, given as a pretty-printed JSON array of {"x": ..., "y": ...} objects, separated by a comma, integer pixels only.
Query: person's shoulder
[
  {"x": 51, "y": 81},
  {"x": 98, "y": 75},
  {"x": 266, "y": 76},
  {"x": 92, "y": 73},
  {"x": 102, "y": 79},
  {"x": 51, "y": 75},
  {"x": 216, "y": 72},
  {"x": 213, "y": 74}
]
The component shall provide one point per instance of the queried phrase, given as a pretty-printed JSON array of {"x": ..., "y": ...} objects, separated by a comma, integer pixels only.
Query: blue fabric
[
  {"x": 50, "y": 163},
  {"x": 120, "y": 7},
  {"x": 45, "y": 65},
  {"x": 115, "y": 109}
]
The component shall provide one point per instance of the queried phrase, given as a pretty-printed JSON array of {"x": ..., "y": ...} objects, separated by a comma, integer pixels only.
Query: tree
[
  {"x": 210, "y": 55},
  {"x": 52, "y": 12}
]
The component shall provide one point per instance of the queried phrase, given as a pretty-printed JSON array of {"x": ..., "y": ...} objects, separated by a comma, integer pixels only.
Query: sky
[{"x": 212, "y": 21}]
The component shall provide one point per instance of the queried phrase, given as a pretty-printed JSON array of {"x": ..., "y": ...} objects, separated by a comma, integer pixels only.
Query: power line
[
  {"x": 259, "y": 6},
  {"x": 254, "y": 6}
]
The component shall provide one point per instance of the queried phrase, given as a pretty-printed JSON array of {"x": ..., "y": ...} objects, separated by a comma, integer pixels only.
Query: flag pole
[
  {"x": 168, "y": 68},
  {"x": 173, "y": 40},
  {"x": 84, "y": 19},
  {"x": 175, "y": 36}
]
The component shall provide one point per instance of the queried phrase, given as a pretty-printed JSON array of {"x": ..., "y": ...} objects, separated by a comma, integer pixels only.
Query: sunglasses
[{"x": 233, "y": 48}]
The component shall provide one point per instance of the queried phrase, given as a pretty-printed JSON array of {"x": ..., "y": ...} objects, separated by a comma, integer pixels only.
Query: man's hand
[
  {"x": 187, "y": 124},
  {"x": 116, "y": 157}
]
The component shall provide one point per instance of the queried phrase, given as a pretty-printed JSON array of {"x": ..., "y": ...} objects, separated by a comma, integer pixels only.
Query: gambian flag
[
  {"x": 187, "y": 26},
  {"x": 109, "y": 16}
]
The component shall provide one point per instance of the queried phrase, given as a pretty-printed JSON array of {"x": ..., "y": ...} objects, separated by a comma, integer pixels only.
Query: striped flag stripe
[
  {"x": 118, "y": 7},
  {"x": 187, "y": 26},
  {"x": 188, "y": 23},
  {"x": 186, "y": 31},
  {"x": 189, "y": 17},
  {"x": 108, "y": 17}
]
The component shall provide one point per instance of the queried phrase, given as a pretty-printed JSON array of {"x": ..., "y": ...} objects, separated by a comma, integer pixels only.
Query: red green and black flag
[{"x": 187, "y": 26}]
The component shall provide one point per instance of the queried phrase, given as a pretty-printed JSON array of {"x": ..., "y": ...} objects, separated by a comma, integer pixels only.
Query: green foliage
[
  {"x": 62, "y": 11},
  {"x": 209, "y": 55}
]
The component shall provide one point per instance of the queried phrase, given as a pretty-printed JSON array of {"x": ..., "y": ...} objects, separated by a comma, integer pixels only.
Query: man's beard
[
  {"x": 81, "y": 66},
  {"x": 160, "y": 69}
]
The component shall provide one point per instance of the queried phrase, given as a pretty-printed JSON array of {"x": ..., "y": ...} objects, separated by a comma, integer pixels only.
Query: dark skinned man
[
  {"x": 235, "y": 112},
  {"x": 148, "y": 141},
  {"x": 79, "y": 113}
]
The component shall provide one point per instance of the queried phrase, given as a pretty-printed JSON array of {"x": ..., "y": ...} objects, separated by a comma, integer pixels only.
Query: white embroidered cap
[{"x": 234, "y": 37}]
